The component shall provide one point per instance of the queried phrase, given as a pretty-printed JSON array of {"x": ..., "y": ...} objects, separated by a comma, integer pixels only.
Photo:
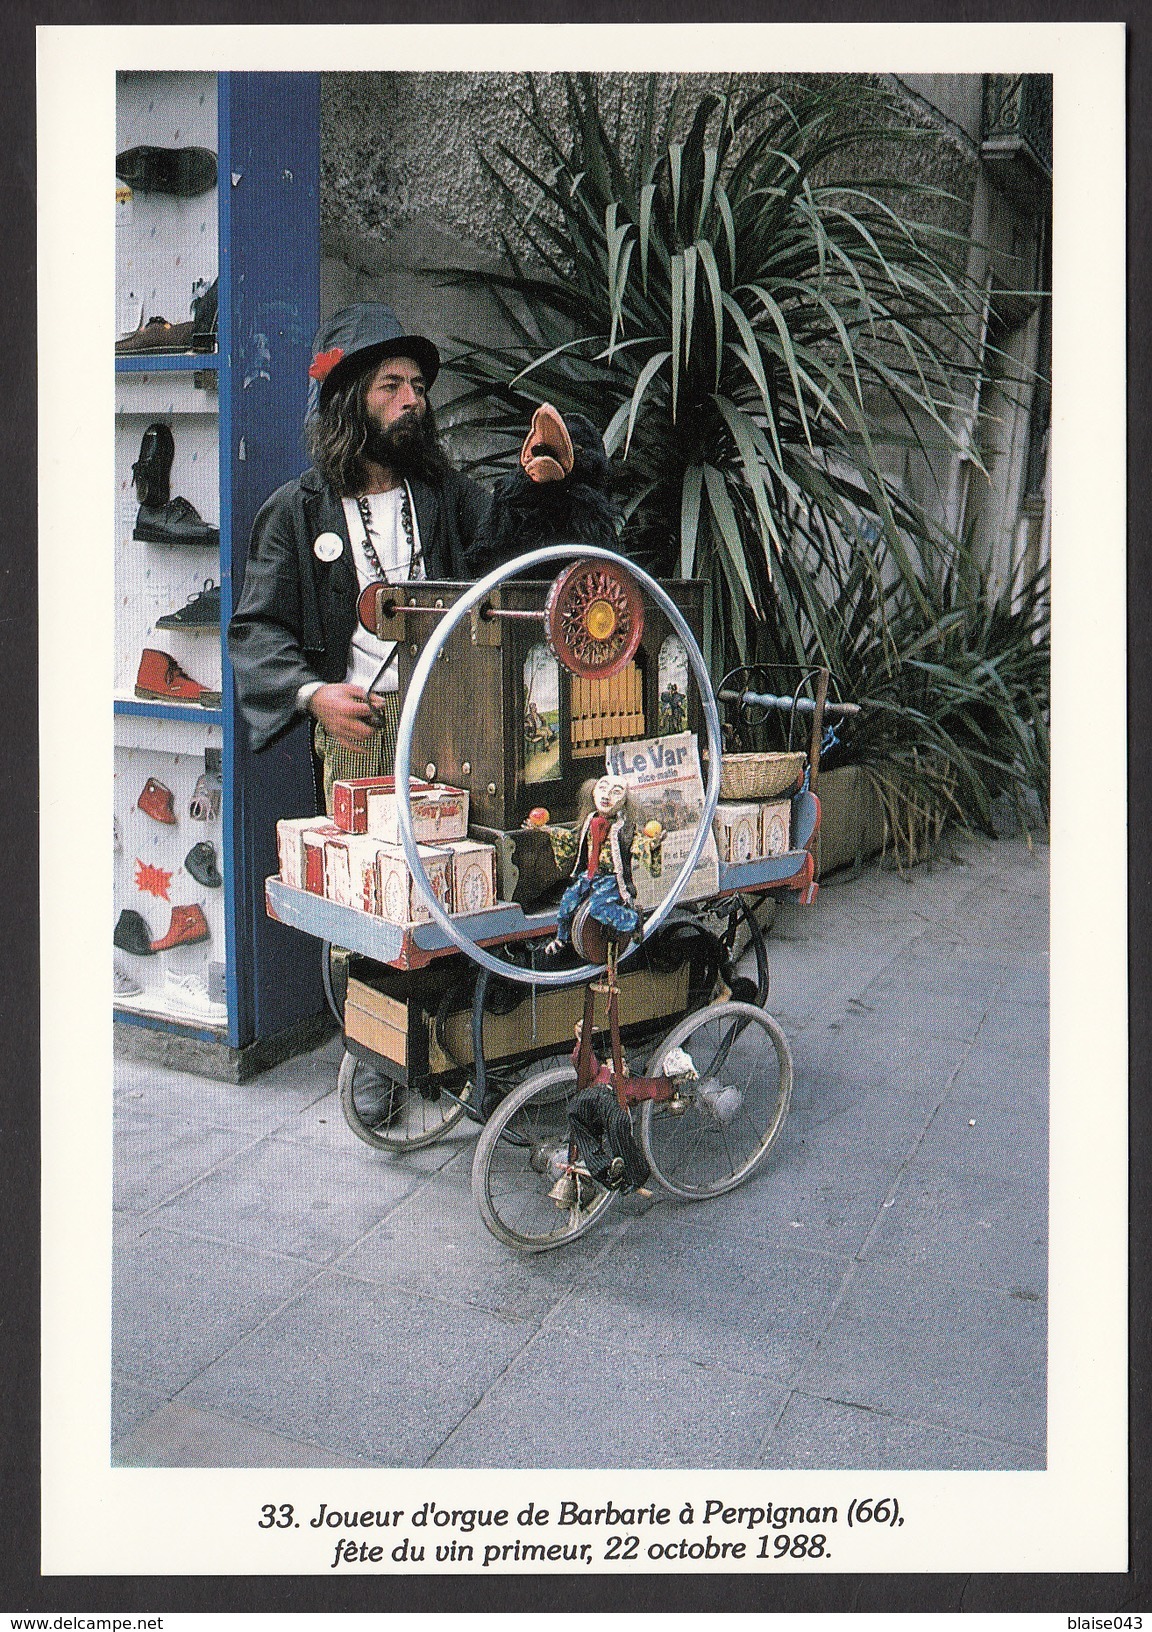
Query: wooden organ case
[{"x": 504, "y": 718}]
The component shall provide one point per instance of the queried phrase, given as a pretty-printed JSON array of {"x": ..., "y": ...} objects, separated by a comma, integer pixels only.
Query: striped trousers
[{"x": 375, "y": 758}]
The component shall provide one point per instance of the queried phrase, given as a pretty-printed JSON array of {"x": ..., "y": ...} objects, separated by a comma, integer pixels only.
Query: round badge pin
[{"x": 328, "y": 547}]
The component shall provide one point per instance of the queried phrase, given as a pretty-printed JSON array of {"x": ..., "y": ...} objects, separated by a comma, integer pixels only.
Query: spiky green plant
[
  {"x": 717, "y": 288},
  {"x": 736, "y": 318}
]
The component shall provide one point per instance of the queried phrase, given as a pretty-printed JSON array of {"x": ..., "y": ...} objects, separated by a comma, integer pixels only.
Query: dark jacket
[{"x": 295, "y": 616}]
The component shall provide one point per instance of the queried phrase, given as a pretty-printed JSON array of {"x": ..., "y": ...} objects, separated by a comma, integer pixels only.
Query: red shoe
[
  {"x": 161, "y": 678},
  {"x": 188, "y": 926},
  {"x": 156, "y": 801}
]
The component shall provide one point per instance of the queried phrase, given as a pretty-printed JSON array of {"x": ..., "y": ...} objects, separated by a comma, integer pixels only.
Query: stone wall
[{"x": 405, "y": 190}]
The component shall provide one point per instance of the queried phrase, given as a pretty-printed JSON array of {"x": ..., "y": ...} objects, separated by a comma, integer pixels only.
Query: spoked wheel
[
  {"x": 386, "y": 1114},
  {"x": 732, "y": 1113},
  {"x": 522, "y": 1156}
]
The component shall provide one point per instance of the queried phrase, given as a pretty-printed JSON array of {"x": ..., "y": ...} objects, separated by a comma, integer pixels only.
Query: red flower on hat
[{"x": 324, "y": 362}]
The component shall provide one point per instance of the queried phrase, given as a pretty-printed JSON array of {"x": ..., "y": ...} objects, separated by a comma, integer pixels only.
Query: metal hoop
[{"x": 403, "y": 761}]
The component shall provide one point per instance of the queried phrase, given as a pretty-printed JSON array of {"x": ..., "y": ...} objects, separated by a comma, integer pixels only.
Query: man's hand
[{"x": 345, "y": 712}]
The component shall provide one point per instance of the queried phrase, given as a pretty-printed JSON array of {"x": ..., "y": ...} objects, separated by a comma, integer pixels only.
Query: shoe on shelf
[
  {"x": 156, "y": 801},
  {"x": 132, "y": 934},
  {"x": 188, "y": 926},
  {"x": 157, "y": 337},
  {"x": 124, "y": 984},
  {"x": 161, "y": 679},
  {"x": 205, "y": 317},
  {"x": 201, "y": 612},
  {"x": 188, "y": 994},
  {"x": 177, "y": 522},
  {"x": 201, "y": 863},
  {"x": 184, "y": 172},
  {"x": 151, "y": 471},
  {"x": 204, "y": 805}
]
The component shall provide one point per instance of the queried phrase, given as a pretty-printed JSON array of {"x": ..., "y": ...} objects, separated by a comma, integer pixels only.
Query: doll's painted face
[{"x": 609, "y": 795}]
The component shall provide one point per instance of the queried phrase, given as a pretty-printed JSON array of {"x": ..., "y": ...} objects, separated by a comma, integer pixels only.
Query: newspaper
[{"x": 666, "y": 801}]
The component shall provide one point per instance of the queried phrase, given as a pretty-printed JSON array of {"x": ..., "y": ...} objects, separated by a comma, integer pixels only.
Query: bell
[{"x": 564, "y": 1192}]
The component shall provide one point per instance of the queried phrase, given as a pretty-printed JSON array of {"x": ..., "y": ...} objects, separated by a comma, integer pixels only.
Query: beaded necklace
[{"x": 415, "y": 554}]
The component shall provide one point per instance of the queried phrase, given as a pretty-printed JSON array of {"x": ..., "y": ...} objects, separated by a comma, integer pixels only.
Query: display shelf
[
  {"x": 130, "y": 1012},
  {"x": 190, "y": 713},
  {"x": 256, "y": 234},
  {"x": 176, "y": 362}
]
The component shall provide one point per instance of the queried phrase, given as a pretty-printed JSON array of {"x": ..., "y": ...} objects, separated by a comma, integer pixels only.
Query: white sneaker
[
  {"x": 189, "y": 994},
  {"x": 124, "y": 985}
]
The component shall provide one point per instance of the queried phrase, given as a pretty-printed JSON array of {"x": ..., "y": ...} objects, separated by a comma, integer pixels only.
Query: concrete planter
[{"x": 851, "y": 818}]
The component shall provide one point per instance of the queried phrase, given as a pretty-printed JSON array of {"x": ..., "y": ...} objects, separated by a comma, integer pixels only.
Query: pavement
[{"x": 875, "y": 1296}]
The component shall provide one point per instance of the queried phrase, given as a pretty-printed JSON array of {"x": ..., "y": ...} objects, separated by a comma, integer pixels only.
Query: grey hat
[{"x": 359, "y": 335}]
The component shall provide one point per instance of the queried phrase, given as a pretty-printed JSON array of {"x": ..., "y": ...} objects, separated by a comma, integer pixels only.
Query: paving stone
[
  {"x": 179, "y": 1302},
  {"x": 817, "y": 1433},
  {"x": 155, "y": 1156},
  {"x": 436, "y": 1243},
  {"x": 612, "y": 1413},
  {"x": 252, "y": 1108},
  {"x": 673, "y": 1288},
  {"x": 293, "y": 1199},
  {"x": 982, "y": 1131},
  {"x": 978, "y": 1229},
  {"x": 907, "y": 1342},
  {"x": 363, "y": 1370},
  {"x": 322, "y": 1123},
  {"x": 131, "y": 1404},
  {"x": 181, "y": 1436},
  {"x": 800, "y": 1198}
]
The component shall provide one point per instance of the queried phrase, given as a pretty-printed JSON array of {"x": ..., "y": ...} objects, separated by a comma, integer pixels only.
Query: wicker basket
[{"x": 759, "y": 776}]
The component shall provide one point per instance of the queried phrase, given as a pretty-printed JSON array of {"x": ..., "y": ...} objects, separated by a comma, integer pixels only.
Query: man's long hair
[{"x": 340, "y": 437}]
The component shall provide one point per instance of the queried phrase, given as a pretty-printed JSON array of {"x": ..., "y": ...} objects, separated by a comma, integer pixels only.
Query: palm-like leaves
[{"x": 738, "y": 317}]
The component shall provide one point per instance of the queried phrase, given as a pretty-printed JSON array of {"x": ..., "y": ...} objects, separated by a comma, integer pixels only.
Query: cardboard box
[
  {"x": 314, "y": 840},
  {"x": 473, "y": 876},
  {"x": 737, "y": 829},
  {"x": 290, "y": 846},
  {"x": 399, "y": 899},
  {"x": 775, "y": 827},
  {"x": 350, "y": 799},
  {"x": 439, "y": 813},
  {"x": 351, "y": 874}
]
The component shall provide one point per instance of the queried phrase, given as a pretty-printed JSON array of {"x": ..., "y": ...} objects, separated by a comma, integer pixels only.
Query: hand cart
[{"x": 437, "y": 1027}]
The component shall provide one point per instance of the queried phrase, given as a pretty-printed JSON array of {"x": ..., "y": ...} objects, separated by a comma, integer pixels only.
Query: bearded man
[{"x": 381, "y": 502}]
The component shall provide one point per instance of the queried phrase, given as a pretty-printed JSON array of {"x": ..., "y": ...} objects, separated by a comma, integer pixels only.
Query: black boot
[
  {"x": 205, "y": 318},
  {"x": 151, "y": 471}
]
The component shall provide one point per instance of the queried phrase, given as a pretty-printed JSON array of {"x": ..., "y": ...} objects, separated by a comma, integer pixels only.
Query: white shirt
[{"x": 366, "y": 654}]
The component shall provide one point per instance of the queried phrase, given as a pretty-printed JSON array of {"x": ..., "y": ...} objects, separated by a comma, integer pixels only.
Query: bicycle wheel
[
  {"x": 521, "y": 1155},
  {"x": 386, "y": 1114},
  {"x": 731, "y": 1114}
]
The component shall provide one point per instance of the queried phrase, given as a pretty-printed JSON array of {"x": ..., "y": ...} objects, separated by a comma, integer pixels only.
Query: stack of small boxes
[
  {"x": 748, "y": 831},
  {"x": 357, "y": 860}
]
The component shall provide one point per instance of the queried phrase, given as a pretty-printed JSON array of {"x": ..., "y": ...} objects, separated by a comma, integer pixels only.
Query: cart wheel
[
  {"x": 386, "y": 1114},
  {"x": 522, "y": 1153},
  {"x": 734, "y": 1110}
]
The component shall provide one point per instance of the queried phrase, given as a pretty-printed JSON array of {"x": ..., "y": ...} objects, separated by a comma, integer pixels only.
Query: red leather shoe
[
  {"x": 156, "y": 801},
  {"x": 161, "y": 679},
  {"x": 188, "y": 926}
]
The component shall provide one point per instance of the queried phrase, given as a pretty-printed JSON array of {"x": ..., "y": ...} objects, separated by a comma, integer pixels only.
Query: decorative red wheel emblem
[{"x": 594, "y": 617}]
